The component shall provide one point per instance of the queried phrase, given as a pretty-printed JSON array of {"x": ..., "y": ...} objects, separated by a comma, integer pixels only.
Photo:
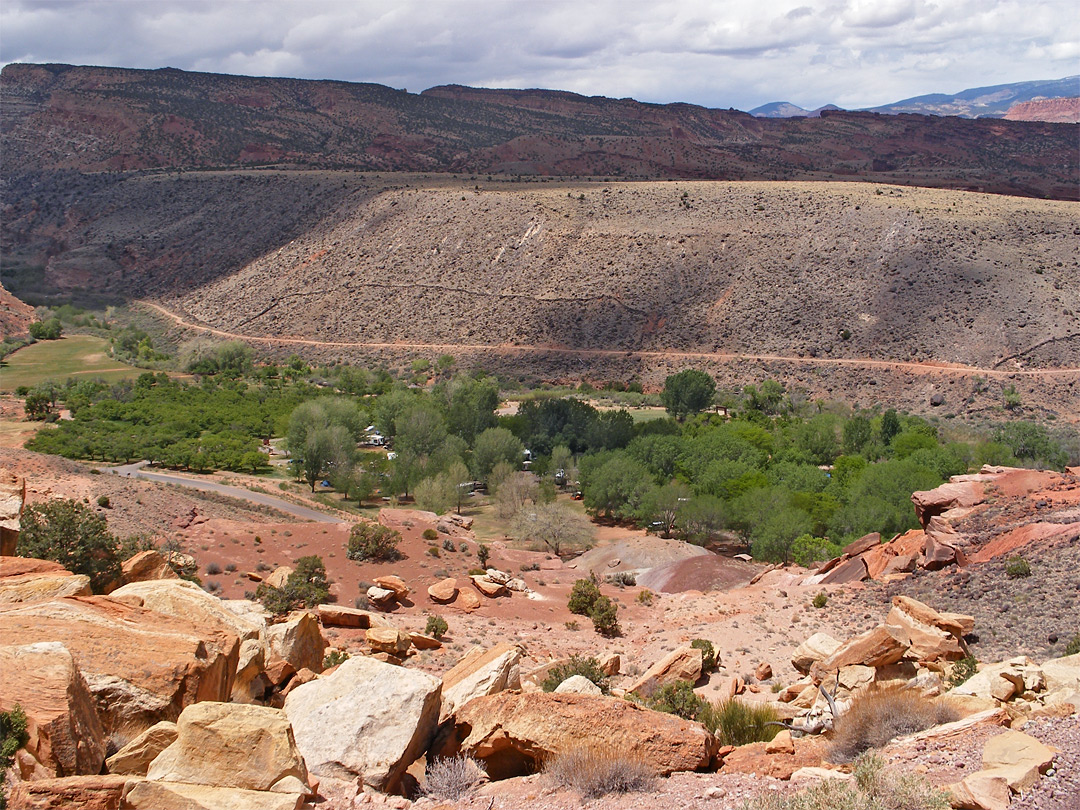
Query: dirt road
[
  {"x": 450, "y": 348},
  {"x": 136, "y": 471}
]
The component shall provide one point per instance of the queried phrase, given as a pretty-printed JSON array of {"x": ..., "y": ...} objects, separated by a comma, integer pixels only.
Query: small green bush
[
  {"x": 737, "y": 722},
  {"x": 708, "y": 653},
  {"x": 820, "y": 600},
  {"x": 436, "y": 627},
  {"x": 72, "y": 534},
  {"x": 577, "y": 665},
  {"x": 1073, "y": 647},
  {"x": 605, "y": 617},
  {"x": 430, "y": 535},
  {"x": 334, "y": 657},
  {"x": 103, "y": 501},
  {"x": 583, "y": 596},
  {"x": 1017, "y": 568},
  {"x": 13, "y": 736},
  {"x": 678, "y": 698},
  {"x": 307, "y": 586},
  {"x": 448, "y": 545},
  {"x": 482, "y": 554},
  {"x": 646, "y": 597},
  {"x": 962, "y": 670},
  {"x": 373, "y": 541}
]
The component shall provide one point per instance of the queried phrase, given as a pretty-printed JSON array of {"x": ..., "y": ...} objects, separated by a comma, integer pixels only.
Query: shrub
[
  {"x": 605, "y": 617},
  {"x": 962, "y": 670},
  {"x": 436, "y": 627},
  {"x": 373, "y": 541},
  {"x": 1073, "y": 647},
  {"x": 103, "y": 501},
  {"x": 482, "y": 554},
  {"x": 1017, "y": 568},
  {"x": 213, "y": 569},
  {"x": 433, "y": 551},
  {"x": 307, "y": 586},
  {"x": 583, "y": 596},
  {"x": 879, "y": 715},
  {"x": 593, "y": 773},
  {"x": 448, "y": 545},
  {"x": 622, "y": 578},
  {"x": 588, "y": 667},
  {"x": 334, "y": 657},
  {"x": 571, "y": 625},
  {"x": 453, "y": 778},
  {"x": 13, "y": 736},
  {"x": 820, "y": 600},
  {"x": 708, "y": 653},
  {"x": 678, "y": 698},
  {"x": 70, "y": 533},
  {"x": 646, "y": 597},
  {"x": 430, "y": 535},
  {"x": 736, "y": 722},
  {"x": 874, "y": 789}
]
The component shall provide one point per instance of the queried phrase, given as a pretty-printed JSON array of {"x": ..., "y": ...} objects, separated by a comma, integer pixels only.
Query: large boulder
[
  {"x": 181, "y": 796},
  {"x": 66, "y": 736},
  {"x": 513, "y": 733},
  {"x": 481, "y": 673},
  {"x": 679, "y": 665},
  {"x": 874, "y": 648},
  {"x": 388, "y": 640},
  {"x": 235, "y": 746},
  {"x": 816, "y": 648},
  {"x": 135, "y": 757},
  {"x": 251, "y": 681},
  {"x": 365, "y": 719},
  {"x": 395, "y": 584},
  {"x": 178, "y": 597},
  {"x": 443, "y": 591},
  {"x": 933, "y": 502},
  {"x": 341, "y": 616},
  {"x": 578, "y": 685},
  {"x": 95, "y": 792},
  {"x": 929, "y": 635},
  {"x": 1018, "y": 757},
  {"x": 141, "y": 666},
  {"x": 294, "y": 644},
  {"x": 24, "y": 579},
  {"x": 146, "y": 565},
  {"x": 1062, "y": 673}
]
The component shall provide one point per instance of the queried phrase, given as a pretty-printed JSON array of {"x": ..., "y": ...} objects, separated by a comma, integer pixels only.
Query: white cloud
[{"x": 719, "y": 53}]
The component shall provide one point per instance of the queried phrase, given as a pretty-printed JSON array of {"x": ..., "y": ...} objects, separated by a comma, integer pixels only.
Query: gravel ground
[{"x": 1060, "y": 788}]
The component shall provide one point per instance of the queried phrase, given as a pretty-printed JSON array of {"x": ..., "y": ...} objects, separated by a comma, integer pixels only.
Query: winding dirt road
[{"x": 450, "y": 348}]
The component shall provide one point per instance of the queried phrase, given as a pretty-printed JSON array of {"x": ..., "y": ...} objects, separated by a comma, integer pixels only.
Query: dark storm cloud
[{"x": 735, "y": 53}]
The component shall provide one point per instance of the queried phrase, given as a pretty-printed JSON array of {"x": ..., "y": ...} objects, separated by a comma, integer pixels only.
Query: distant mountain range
[{"x": 977, "y": 102}]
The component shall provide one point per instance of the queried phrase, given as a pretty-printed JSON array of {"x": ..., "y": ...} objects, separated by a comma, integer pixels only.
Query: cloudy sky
[{"x": 720, "y": 53}]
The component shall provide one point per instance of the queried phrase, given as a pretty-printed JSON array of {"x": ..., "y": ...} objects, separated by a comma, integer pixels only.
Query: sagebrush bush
[
  {"x": 430, "y": 535},
  {"x": 879, "y": 715},
  {"x": 593, "y": 773},
  {"x": 373, "y": 541},
  {"x": 875, "y": 789},
  {"x": 678, "y": 698},
  {"x": 737, "y": 722},
  {"x": 1017, "y": 568},
  {"x": 587, "y": 666},
  {"x": 453, "y": 778}
]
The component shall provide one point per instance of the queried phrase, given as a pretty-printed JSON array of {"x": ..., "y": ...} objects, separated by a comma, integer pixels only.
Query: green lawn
[{"x": 76, "y": 355}]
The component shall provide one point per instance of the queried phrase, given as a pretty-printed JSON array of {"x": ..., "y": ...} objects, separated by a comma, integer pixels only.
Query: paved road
[{"x": 136, "y": 471}]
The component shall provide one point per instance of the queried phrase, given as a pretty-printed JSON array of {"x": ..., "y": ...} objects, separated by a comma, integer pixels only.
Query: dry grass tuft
[
  {"x": 879, "y": 715},
  {"x": 874, "y": 789},
  {"x": 453, "y": 778},
  {"x": 595, "y": 773}
]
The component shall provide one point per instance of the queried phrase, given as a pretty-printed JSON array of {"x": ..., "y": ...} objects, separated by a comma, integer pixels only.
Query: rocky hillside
[
  {"x": 90, "y": 118},
  {"x": 1052, "y": 110}
]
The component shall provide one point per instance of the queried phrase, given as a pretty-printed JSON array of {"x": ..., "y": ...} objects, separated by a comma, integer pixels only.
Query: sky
[{"x": 718, "y": 53}]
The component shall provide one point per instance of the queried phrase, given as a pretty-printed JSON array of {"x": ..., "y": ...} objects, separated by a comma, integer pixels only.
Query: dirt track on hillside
[{"x": 946, "y": 368}]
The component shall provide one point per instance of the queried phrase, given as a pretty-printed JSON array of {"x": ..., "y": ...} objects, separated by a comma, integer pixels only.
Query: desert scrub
[
  {"x": 334, "y": 657},
  {"x": 1073, "y": 647},
  {"x": 879, "y": 715},
  {"x": 622, "y": 578},
  {"x": 586, "y": 666},
  {"x": 593, "y": 773},
  {"x": 453, "y": 778},
  {"x": 605, "y": 617},
  {"x": 708, "y": 653},
  {"x": 13, "y": 736},
  {"x": 1017, "y": 568},
  {"x": 436, "y": 627},
  {"x": 737, "y": 722},
  {"x": 820, "y": 600},
  {"x": 430, "y": 535},
  {"x": 646, "y": 597},
  {"x": 875, "y": 789},
  {"x": 678, "y": 698},
  {"x": 962, "y": 670},
  {"x": 583, "y": 596},
  {"x": 373, "y": 541}
]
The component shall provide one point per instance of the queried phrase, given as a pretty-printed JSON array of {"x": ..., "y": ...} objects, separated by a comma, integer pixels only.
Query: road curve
[
  {"x": 941, "y": 368},
  {"x": 136, "y": 471}
]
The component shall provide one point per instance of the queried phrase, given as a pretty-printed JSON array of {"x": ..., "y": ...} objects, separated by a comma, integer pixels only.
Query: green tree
[
  {"x": 50, "y": 329},
  {"x": 71, "y": 534},
  {"x": 307, "y": 586},
  {"x": 618, "y": 487},
  {"x": 1032, "y": 444},
  {"x": 495, "y": 445},
  {"x": 437, "y": 494},
  {"x": 890, "y": 426},
  {"x": 583, "y": 596},
  {"x": 372, "y": 541},
  {"x": 605, "y": 617},
  {"x": 662, "y": 506},
  {"x": 687, "y": 392}
]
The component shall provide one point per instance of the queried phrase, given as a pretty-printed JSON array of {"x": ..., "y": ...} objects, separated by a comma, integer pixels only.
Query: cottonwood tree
[
  {"x": 556, "y": 525},
  {"x": 687, "y": 392}
]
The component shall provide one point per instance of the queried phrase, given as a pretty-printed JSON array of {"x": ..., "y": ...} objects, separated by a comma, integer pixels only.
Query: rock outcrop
[
  {"x": 366, "y": 719},
  {"x": 135, "y": 757},
  {"x": 679, "y": 665},
  {"x": 481, "y": 673},
  {"x": 513, "y": 733},
  {"x": 294, "y": 644},
  {"x": 66, "y": 737},
  {"x": 24, "y": 580}
]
